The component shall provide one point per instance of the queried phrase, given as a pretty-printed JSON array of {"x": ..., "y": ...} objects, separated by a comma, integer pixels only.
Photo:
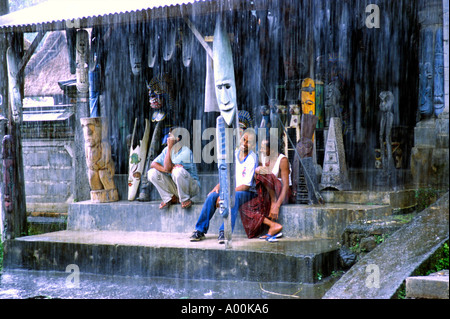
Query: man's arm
[
  {"x": 156, "y": 164},
  {"x": 158, "y": 167},
  {"x": 168, "y": 165}
]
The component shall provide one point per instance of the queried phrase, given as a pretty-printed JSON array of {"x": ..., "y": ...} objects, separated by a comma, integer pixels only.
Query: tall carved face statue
[{"x": 225, "y": 84}]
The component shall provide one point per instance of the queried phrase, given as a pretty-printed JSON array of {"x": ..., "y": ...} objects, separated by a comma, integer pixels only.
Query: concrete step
[
  {"x": 299, "y": 221},
  {"x": 433, "y": 286},
  {"x": 172, "y": 255},
  {"x": 401, "y": 200}
]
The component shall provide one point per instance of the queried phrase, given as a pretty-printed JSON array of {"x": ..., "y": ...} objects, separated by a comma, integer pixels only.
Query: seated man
[
  {"x": 246, "y": 161},
  {"x": 174, "y": 174}
]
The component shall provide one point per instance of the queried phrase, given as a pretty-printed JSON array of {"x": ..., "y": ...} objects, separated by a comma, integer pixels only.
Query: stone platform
[
  {"x": 138, "y": 239},
  {"x": 172, "y": 255}
]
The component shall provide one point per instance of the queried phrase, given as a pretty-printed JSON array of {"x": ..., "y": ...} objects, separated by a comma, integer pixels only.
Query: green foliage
[
  {"x": 403, "y": 218},
  {"x": 438, "y": 262},
  {"x": 379, "y": 239},
  {"x": 1, "y": 256},
  {"x": 441, "y": 262},
  {"x": 425, "y": 197},
  {"x": 319, "y": 276}
]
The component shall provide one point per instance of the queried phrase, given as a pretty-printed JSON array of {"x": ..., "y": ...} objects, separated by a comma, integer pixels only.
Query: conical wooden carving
[{"x": 334, "y": 173}]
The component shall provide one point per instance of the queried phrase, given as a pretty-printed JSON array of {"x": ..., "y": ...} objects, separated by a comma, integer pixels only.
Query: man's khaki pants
[{"x": 180, "y": 183}]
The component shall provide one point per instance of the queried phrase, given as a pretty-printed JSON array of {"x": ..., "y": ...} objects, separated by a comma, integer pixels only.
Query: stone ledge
[{"x": 434, "y": 286}]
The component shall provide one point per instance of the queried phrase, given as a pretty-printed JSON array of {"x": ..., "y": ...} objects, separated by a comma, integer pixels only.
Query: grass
[{"x": 1, "y": 256}]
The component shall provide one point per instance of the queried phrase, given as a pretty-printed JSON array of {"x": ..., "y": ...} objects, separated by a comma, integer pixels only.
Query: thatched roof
[{"x": 47, "y": 66}]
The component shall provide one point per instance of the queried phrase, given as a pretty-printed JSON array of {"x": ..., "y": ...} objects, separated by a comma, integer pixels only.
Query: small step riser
[{"x": 170, "y": 262}]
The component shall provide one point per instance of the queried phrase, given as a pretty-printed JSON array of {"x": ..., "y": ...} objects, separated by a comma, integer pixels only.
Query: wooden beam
[
  {"x": 27, "y": 56},
  {"x": 199, "y": 37}
]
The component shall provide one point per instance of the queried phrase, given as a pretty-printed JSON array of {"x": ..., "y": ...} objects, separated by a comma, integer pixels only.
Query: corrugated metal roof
[{"x": 53, "y": 14}]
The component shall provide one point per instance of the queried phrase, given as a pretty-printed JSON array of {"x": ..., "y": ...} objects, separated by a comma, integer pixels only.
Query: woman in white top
[{"x": 272, "y": 183}]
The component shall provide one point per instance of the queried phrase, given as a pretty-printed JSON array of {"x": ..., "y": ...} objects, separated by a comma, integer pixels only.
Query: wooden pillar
[
  {"x": 82, "y": 189},
  {"x": 3, "y": 109},
  {"x": 15, "y": 218}
]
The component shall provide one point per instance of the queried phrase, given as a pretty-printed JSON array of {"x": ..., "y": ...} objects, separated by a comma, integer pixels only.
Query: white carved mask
[{"x": 225, "y": 85}]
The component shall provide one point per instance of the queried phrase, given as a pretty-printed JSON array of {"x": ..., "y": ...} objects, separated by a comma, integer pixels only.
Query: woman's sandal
[
  {"x": 271, "y": 239},
  {"x": 267, "y": 236},
  {"x": 186, "y": 204}
]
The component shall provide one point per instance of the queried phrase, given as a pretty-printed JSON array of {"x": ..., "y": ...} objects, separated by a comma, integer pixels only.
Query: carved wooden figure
[
  {"x": 332, "y": 100},
  {"x": 98, "y": 159},
  {"x": 387, "y": 118},
  {"x": 304, "y": 179},
  {"x": 335, "y": 174},
  {"x": 294, "y": 110},
  {"x": 9, "y": 180},
  {"x": 82, "y": 50},
  {"x": 136, "y": 161}
]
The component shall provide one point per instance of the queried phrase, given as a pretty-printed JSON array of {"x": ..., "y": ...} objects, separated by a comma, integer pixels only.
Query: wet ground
[{"x": 31, "y": 284}]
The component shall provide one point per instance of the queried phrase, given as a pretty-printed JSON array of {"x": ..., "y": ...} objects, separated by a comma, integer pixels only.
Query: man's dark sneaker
[
  {"x": 221, "y": 237},
  {"x": 197, "y": 236}
]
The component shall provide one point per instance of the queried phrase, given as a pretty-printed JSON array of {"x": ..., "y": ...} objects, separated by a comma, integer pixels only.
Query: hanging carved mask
[
  {"x": 160, "y": 92},
  {"x": 136, "y": 54}
]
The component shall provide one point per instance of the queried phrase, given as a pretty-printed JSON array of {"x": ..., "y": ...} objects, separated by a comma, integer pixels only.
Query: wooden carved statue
[
  {"x": 304, "y": 179},
  {"x": 136, "y": 161},
  {"x": 387, "y": 118},
  {"x": 98, "y": 159},
  {"x": 265, "y": 121},
  {"x": 82, "y": 49},
  {"x": 308, "y": 96},
  {"x": 14, "y": 86},
  {"x": 282, "y": 111},
  {"x": 161, "y": 100},
  {"x": 294, "y": 110},
  {"x": 9, "y": 180},
  {"x": 332, "y": 99},
  {"x": 438, "y": 99}
]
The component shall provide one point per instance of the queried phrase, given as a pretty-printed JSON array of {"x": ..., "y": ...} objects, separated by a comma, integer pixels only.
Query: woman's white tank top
[{"x": 276, "y": 169}]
